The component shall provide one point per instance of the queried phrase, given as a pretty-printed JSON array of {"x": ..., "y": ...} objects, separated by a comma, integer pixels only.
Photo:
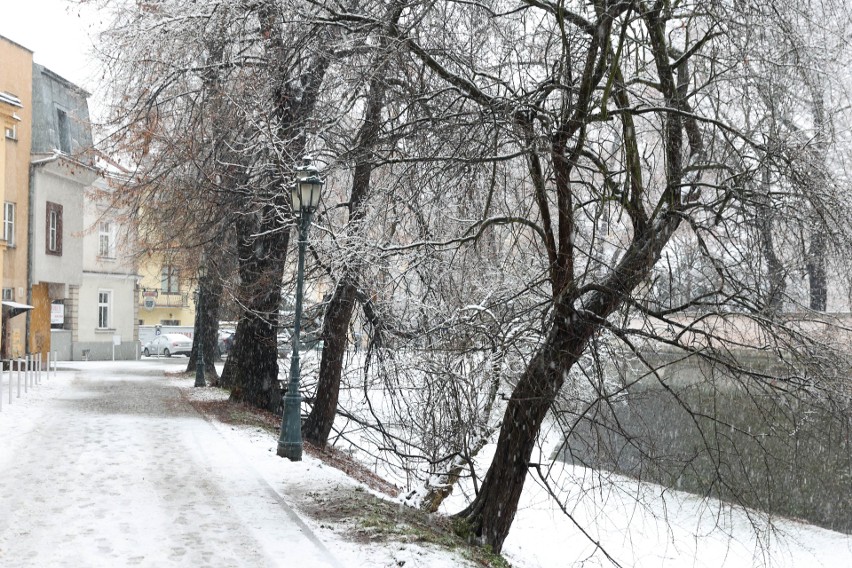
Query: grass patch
[{"x": 363, "y": 517}]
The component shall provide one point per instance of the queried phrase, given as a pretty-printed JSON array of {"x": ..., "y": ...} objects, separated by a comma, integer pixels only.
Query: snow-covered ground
[
  {"x": 108, "y": 465},
  {"x": 650, "y": 526}
]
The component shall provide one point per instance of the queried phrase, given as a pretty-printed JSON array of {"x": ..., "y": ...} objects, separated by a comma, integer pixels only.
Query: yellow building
[
  {"x": 9, "y": 106},
  {"x": 166, "y": 293},
  {"x": 16, "y": 110}
]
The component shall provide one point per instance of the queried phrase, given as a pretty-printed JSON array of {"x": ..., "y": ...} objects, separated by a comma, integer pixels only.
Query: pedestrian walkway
[{"x": 115, "y": 469}]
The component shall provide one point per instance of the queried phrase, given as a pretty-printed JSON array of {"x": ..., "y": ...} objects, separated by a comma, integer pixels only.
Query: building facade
[
  {"x": 9, "y": 119},
  {"x": 83, "y": 283},
  {"x": 69, "y": 283},
  {"x": 17, "y": 108},
  {"x": 106, "y": 312},
  {"x": 166, "y": 295}
]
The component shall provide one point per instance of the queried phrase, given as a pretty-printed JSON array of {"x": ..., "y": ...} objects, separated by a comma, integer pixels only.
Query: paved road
[{"x": 115, "y": 469}]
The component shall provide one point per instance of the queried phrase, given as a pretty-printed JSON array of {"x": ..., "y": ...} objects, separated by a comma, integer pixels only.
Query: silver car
[{"x": 168, "y": 344}]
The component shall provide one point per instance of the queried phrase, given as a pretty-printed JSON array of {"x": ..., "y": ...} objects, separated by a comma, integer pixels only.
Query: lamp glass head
[{"x": 306, "y": 191}]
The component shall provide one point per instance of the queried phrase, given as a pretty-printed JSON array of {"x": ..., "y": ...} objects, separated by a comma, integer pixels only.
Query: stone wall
[{"x": 699, "y": 429}]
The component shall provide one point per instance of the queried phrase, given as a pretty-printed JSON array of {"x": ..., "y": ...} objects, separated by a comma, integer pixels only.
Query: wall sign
[{"x": 57, "y": 314}]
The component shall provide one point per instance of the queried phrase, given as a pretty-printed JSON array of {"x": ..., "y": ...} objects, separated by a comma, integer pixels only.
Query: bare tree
[
  {"x": 642, "y": 78},
  {"x": 553, "y": 204},
  {"x": 188, "y": 77},
  {"x": 341, "y": 305}
]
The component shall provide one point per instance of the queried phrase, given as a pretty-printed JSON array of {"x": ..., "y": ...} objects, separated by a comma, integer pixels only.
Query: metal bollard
[
  {"x": 20, "y": 365},
  {"x": 27, "y": 374}
]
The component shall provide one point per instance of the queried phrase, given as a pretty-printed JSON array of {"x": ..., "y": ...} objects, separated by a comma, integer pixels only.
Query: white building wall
[
  {"x": 51, "y": 184},
  {"x": 114, "y": 273},
  {"x": 98, "y": 341}
]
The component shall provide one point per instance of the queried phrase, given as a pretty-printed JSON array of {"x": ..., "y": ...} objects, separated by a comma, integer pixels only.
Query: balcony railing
[{"x": 165, "y": 299}]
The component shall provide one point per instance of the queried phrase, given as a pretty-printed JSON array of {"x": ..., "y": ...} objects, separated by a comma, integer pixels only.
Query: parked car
[
  {"x": 168, "y": 344},
  {"x": 307, "y": 341},
  {"x": 226, "y": 341}
]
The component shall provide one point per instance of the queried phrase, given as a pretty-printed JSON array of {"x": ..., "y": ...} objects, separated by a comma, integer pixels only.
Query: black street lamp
[
  {"x": 306, "y": 197},
  {"x": 199, "y": 315}
]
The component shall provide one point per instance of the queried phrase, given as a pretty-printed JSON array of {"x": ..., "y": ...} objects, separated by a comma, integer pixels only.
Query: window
[
  {"x": 54, "y": 229},
  {"x": 9, "y": 223},
  {"x": 64, "y": 131},
  {"x": 169, "y": 322},
  {"x": 104, "y": 308},
  {"x": 9, "y": 294},
  {"x": 106, "y": 242},
  {"x": 170, "y": 283},
  {"x": 11, "y": 132}
]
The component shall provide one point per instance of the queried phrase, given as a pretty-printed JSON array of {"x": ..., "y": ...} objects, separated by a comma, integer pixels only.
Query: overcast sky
[{"x": 58, "y": 34}]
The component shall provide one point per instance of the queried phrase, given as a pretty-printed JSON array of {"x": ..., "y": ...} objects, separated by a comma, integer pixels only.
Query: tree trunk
[
  {"x": 817, "y": 277},
  {"x": 335, "y": 336},
  {"x": 207, "y": 316},
  {"x": 816, "y": 261},
  {"x": 491, "y": 513},
  {"x": 774, "y": 267},
  {"x": 251, "y": 370}
]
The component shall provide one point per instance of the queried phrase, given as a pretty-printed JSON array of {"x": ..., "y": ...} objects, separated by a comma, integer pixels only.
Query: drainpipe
[{"x": 30, "y": 249}]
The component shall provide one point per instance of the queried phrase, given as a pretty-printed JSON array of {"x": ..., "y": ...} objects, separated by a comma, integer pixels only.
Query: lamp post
[
  {"x": 199, "y": 308},
  {"x": 306, "y": 196}
]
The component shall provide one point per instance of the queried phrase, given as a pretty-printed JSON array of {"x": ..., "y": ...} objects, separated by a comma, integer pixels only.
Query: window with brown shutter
[{"x": 53, "y": 238}]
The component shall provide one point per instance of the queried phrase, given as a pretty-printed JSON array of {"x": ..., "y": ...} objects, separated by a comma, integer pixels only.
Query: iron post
[{"x": 290, "y": 440}]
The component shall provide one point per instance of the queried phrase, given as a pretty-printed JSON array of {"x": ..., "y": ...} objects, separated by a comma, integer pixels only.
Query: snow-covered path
[
  {"x": 114, "y": 468},
  {"x": 107, "y": 465}
]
